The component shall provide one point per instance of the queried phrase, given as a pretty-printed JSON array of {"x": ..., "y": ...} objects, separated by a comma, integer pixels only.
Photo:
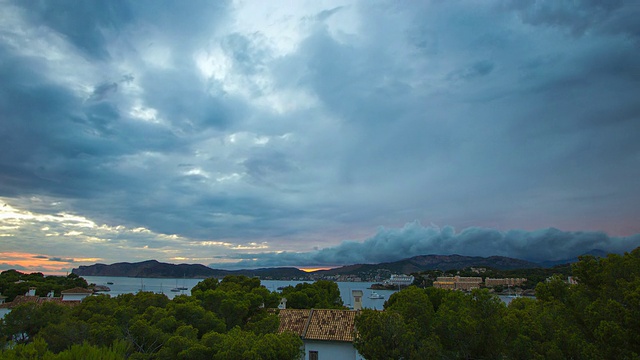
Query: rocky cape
[{"x": 156, "y": 269}]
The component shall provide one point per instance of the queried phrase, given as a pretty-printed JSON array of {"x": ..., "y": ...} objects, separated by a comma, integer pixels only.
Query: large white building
[{"x": 401, "y": 280}]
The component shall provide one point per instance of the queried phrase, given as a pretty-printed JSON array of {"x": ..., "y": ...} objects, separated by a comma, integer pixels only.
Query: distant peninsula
[
  {"x": 156, "y": 269},
  {"x": 363, "y": 272}
]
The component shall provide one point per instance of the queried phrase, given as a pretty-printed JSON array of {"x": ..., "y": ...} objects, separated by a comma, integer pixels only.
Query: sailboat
[{"x": 179, "y": 288}]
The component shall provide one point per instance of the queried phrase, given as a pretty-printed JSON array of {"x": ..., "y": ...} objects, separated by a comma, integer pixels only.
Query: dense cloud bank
[
  {"x": 298, "y": 126},
  {"x": 414, "y": 239}
]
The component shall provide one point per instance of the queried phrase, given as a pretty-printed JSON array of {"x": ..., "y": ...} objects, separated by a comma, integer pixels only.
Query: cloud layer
[
  {"x": 413, "y": 239},
  {"x": 294, "y": 126}
]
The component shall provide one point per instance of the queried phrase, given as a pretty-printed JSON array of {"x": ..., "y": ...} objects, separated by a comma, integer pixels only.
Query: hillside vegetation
[{"x": 599, "y": 318}]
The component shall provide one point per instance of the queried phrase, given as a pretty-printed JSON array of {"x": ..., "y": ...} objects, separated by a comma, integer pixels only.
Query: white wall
[
  {"x": 73, "y": 297},
  {"x": 331, "y": 350},
  {"x": 4, "y": 311}
]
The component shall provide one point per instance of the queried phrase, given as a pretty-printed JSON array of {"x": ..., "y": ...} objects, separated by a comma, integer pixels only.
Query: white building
[
  {"x": 326, "y": 333},
  {"x": 401, "y": 280},
  {"x": 75, "y": 294},
  {"x": 69, "y": 297}
]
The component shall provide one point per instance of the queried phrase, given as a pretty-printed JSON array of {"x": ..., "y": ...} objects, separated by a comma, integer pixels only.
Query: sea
[
  {"x": 169, "y": 287},
  {"x": 131, "y": 285}
]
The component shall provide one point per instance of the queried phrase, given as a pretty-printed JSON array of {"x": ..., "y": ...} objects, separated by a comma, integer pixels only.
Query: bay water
[{"x": 131, "y": 285}]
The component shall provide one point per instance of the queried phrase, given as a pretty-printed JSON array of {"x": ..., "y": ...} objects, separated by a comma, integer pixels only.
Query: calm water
[{"x": 129, "y": 285}]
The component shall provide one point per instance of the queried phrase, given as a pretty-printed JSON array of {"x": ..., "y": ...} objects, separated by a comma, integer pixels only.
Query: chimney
[
  {"x": 283, "y": 304},
  {"x": 31, "y": 292},
  {"x": 357, "y": 299}
]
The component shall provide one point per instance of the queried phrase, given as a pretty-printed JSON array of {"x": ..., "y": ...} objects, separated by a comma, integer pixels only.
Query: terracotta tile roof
[
  {"x": 293, "y": 320},
  {"x": 336, "y": 325},
  {"x": 21, "y": 299},
  {"x": 319, "y": 324},
  {"x": 77, "y": 290}
]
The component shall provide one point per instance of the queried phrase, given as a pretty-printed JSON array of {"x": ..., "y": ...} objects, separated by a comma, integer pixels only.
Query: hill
[
  {"x": 156, "y": 269},
  {"x": 432, "y": 262}
]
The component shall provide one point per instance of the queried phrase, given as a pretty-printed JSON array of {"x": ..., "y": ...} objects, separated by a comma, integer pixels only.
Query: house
[
  {"x": 75, "y": 294},
  {"x": 69, "y": 297},
  {"x": 325, "y": 333}
]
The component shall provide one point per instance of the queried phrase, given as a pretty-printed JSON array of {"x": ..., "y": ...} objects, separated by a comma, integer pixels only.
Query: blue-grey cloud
[
  {"x": 578, "y": 16},
  {"x": 303, "y": 126},
  {"x": 392, "y": 244},
  {"x": 85, "y": 25}
]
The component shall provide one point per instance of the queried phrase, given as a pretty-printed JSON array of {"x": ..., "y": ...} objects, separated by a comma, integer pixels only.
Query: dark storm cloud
[
  {"x": 480, "y": 68},
  {"x": 84, "y": 24},
  {"x": 245, "y": 122},
  {"x": 52, "y": 141},
  {"x": 103, "y": 90},
  {"x": 612, "y": 16},
  {"x": 183, "y": 99},
  {"x": 262, "y": 167},
  {"x": 413, "y": 239}
]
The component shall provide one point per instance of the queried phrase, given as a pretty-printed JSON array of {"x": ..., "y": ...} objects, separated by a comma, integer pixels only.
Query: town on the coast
[{"x": 454, "y": 316}]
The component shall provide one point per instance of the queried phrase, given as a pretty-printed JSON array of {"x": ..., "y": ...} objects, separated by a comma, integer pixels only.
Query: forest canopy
[{"x": 598, "y": 318}]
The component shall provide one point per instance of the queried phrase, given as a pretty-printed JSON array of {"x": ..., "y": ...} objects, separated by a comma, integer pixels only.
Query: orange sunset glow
[
  {"x": 315, "y": 269},
  {"x": 27, "y": 262}
]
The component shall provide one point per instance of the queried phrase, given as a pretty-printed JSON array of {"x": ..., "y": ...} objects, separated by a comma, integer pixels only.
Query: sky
[{"x": 243, "y": 134}]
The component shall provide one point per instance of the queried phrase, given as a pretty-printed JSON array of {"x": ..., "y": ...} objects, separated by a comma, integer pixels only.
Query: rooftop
[
  {"x": 319, "y": 324},
  {"x": 22, "y": 299},
  {"x": 77, "y": 290}
]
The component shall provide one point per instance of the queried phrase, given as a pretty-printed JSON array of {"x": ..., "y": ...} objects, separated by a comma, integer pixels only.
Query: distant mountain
[
  {"x": 156, "y": 269},
  {"x": 149, "y": 268},
  {"x": 433, "y": 262},
  {"x": 594, "y": 252}
]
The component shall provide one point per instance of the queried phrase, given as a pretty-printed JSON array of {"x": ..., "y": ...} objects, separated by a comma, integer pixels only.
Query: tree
[
  {"x": 24, "y": 322},
  {"x": 321, "y": 294},
  {"x": 403, "y": 331}
]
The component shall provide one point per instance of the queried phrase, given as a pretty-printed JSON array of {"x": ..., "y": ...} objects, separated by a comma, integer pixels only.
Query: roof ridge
[{"x": 306, "y": 326}]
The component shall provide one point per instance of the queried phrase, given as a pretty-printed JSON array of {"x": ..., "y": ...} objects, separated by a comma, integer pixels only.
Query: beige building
[
  {"x": 489, "y": 282},
  {"x": 444, "y": 284},
  {"x": 464, "y": 283}
]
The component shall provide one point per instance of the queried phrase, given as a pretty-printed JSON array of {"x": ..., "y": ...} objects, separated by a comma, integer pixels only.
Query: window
[{"x": 313, "y": 355}]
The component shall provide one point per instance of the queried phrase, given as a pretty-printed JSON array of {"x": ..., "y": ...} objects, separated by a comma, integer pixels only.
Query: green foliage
[
  {"x": 13, "y": 283},
  {"x": 37, "y": 350},
  {"x": 150, "y": 326},
  {"x": 243, "y": 345},
  {"x": 597, "y": 319},
  {"x": 26, "y": 320},
  {"x": 60, "y": 336},
  {"x": 321, "y": 294}
]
